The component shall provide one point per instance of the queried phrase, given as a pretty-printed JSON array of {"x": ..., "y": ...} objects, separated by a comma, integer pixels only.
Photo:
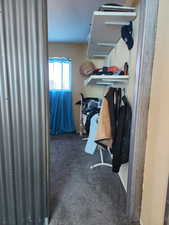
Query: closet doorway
[{"x": 80, "y": 193}]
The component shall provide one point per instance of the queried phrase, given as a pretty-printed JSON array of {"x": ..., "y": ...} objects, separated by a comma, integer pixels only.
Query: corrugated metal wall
[{"x": 23, "y": 112}]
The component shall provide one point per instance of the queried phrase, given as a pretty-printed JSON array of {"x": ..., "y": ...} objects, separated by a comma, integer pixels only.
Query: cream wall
[
  {"x": 77, "y": 52},
  {"x": 157, "y": 154}
]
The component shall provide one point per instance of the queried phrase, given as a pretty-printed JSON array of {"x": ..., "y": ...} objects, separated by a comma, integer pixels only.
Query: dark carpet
[{"x": 79, "y": 195}]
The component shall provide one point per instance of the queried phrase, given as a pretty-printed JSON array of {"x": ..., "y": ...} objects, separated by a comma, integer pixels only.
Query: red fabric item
[{"x": 113, "y": 69}]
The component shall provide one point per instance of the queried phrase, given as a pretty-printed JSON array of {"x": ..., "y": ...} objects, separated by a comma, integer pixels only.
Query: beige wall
[
  {"x": 77, "y": 52},
  {"x": 157, "y": 154}
]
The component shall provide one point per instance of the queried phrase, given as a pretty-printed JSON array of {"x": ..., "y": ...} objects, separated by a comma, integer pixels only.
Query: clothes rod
[
  {"x": 117, "y": 23},
  {"x": 97, "y": 55},
  {"x": 113, "y": 79},
  {"x": 118, "y": 7},
  {"x": 112, "y": 84},
  {"x": 106, "y": 44}
]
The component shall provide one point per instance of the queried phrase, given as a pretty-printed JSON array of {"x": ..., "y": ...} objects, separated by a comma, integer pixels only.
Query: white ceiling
[{"x": 69, "y": 20}]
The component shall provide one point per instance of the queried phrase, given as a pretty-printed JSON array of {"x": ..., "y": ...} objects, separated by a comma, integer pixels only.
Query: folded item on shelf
[{"x": 113, "y": 70}]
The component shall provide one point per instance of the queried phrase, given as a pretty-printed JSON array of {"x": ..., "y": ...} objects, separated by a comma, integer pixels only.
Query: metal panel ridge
[{"x": 23, "y": 112}]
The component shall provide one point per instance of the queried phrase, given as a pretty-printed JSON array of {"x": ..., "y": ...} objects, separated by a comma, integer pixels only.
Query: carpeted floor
[{"x": 79, "y": 195}]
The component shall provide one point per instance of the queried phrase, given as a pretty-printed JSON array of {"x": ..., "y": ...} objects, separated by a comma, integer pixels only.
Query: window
[{"x": 59, "y": 74}]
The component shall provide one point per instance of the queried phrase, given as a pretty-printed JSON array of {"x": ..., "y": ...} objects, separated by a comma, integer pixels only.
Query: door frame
[{"x": 142, "y": 91}]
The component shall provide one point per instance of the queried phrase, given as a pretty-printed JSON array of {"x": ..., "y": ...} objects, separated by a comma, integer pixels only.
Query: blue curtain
[{"x": 61, "y": 114}]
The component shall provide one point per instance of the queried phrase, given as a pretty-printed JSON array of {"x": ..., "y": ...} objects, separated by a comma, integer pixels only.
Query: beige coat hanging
[{"x": 104, "y": 131}]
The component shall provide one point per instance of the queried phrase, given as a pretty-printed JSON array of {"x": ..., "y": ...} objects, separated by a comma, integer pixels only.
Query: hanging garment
[
  {"x": 88, "y": 120},
  {"x": 121, "y": 145},
  {"x": 90, "y": 107},
  {"x": 91, "y": 145},
  {"x": 90, "y": 110},
  {"x": 113, "y": 97},
  {"x": 86, "y": 100},
  {"x": 104, "y": 135},
  {"x": 114, "y": 127}
]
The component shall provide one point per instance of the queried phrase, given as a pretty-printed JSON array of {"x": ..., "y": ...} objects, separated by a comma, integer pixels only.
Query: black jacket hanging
[
  {"x": 120, "y": 118},
  {"x": 121, "y": 145}
]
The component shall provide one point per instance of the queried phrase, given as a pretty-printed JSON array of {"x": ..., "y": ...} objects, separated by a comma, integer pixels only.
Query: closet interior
[
  {"x": 90, "y": 158},
  {"x": 111, "y": 49}
]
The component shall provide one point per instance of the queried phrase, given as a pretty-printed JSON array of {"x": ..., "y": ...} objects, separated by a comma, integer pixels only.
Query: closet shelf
[
  {"x": 107, "y": 80},
  {"x": 105, "y": 31}
]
